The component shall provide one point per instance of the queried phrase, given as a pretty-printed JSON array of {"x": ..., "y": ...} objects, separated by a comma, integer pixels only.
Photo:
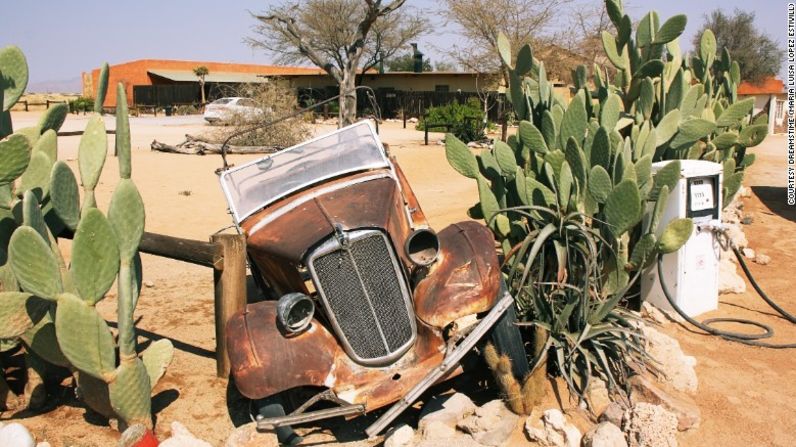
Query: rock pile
[{"x": 455, "y": 420}]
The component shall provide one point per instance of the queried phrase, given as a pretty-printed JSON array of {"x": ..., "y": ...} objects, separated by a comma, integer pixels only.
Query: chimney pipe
[{"x": 418, "y": 59}]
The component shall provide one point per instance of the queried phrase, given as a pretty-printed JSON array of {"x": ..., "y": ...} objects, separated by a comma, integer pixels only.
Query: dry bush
[{"x": 276, "y": 100}]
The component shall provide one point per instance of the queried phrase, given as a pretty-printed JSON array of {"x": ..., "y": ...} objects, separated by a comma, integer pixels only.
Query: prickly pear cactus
[{"x": 48, "y": 306}]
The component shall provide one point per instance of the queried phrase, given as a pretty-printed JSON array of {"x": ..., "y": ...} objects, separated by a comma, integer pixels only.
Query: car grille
[{"x": 365, "y": 294}]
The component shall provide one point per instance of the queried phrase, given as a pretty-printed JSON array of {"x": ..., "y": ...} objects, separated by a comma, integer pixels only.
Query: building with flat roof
[{"x": 161, "y": 72}]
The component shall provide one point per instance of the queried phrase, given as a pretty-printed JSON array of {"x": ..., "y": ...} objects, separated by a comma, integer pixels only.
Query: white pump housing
[{"x": 692, "y": 272}]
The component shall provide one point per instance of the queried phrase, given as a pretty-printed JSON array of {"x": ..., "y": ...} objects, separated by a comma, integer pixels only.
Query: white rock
[
  {"x": 401, "y": 436},
  {"x": 492, "y": 423},
  {"x": 446, "y": 409},
  {"x": 651, "y": 426},
  {"x": 182, "y": 437},
  {"x": 762, "y": 259},
  {"x": 604, "y": 434},
  {"x": 614, "y": 413},
  {"x": 659, "y": 315},
  {"x": 729, "y": 279},
  {"x": 436, "y": 430},
  {"x": 736, "y": 235},
  {"x": 599, "y": 398},
  {"x": 552, "y": 429},
  {"x": 16, "y": 435},
  {"x": 412, "y": 120},
  {"x": 677, "y": 367},
  {"x": 748, "y": 253}
]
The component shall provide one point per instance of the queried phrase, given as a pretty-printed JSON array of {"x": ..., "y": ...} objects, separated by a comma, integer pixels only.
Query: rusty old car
[{"x": 364, "y": 303}]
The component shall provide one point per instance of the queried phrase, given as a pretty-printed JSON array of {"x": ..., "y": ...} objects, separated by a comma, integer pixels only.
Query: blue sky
[{"x": 65, "y": 38}]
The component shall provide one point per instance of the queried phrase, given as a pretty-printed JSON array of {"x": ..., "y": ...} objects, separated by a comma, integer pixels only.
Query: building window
[
  {"x": 778, "y": 109},
  {"x": 442, "y": 88}
]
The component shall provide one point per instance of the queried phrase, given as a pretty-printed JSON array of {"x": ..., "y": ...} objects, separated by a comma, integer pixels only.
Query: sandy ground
[{"x": 745, "y": 393}]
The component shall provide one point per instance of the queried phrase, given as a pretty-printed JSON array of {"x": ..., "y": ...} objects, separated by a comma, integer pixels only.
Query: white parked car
[{"x": 225, "y": 109}]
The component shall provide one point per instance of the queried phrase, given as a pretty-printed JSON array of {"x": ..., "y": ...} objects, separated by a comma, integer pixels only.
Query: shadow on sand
[{"x": 775, "y": 198}]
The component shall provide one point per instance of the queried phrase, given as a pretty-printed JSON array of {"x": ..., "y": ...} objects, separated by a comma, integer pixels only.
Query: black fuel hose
[{"x": 738, "y": 337}]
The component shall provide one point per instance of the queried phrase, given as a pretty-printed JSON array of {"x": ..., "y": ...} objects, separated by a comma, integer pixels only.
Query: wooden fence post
[{"x": 229, "y": 278}]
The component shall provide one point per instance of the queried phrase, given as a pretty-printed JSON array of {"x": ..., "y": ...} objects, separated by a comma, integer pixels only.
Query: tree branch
[{"x": 303, "y": 47}]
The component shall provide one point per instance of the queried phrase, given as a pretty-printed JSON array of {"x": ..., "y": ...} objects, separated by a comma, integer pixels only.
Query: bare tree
[
  {"x": 201, "y": 72},
  {"x": 480, "y": 22},
  {"x": 582, "y": 35},
  {"x": 343, "y": 37}
]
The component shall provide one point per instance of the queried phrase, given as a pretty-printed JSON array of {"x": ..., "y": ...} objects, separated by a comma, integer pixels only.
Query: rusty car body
[{"x": 364, "y": 298}]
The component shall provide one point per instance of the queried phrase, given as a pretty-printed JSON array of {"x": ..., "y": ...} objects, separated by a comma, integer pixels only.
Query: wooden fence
[
  {"x": 47, "y": 103},
  {"x": 226, "y": 255}
]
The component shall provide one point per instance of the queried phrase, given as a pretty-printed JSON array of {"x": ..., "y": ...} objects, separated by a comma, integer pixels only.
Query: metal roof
[{"x": 213, "y": 76}]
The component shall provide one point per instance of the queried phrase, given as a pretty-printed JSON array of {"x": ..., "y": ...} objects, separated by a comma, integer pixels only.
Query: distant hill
[{"x": 57, "y": 86}]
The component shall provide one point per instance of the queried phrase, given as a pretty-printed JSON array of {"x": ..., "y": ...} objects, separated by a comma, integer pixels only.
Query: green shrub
[
  {"x": 467, "y": 120},
  {"x": 81, "y": 104}
]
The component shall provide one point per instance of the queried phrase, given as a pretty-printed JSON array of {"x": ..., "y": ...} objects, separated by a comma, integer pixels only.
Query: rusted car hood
[{"x": 289, "y": 228}]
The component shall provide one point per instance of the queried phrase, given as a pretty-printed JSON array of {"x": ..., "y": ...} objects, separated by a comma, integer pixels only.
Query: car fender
[
  {"x": 256, "y": 346},
  {"x": 464, "y": 280}
]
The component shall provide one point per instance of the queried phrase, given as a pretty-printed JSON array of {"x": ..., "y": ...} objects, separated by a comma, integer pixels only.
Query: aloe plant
[{"x": 49, "y": 306}]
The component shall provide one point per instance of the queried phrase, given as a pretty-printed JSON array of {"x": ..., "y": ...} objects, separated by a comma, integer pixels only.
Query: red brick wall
[{"x": 135, "y": 73}]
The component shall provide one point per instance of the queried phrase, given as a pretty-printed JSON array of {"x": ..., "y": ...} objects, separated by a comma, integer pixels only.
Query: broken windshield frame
[{"x": 254, "y": 185}]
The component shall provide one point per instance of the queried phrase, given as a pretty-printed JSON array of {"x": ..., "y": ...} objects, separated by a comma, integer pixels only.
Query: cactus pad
[
  {"x": 531, "y": 137},
  {"x": 92, "y": 152},
  {"x": 32, "y": 216},
  {"x": 671, "y": 29},
  {"x": 53, "y": 118},
  {"x": 102, "y": 89},
  {"x": 660, "y": 205},
  {"x": 84, "y": 337},
  {"x": 643, "y": 251},
  {"x": 34, "y": 263},
  {"x": 37, "y": 177},
  {"x": 600, "y": 184},
  {"x": 623, "y": 207},
  {"x": 126, "y": 214},
  {"x": 460, "y": 157},
  {"x": 574, "y": 122},
  {"x": 675, "y": 235},
  {"x": 505, "y": 158},
  {"x": 123, "y": 149},
  {"x": 48, "y": 144},
  {"x": 19, "y": 311},
  {"x": 735, "y": 113},
  {"x": 95, "y": 256},
  {"x": 157, "y": 358},
  {"x": 64, "y": 194},
  {"x": 14, "y": 158},
  {"x": 14, "y": 76},
  {"x": 130, "y": 391},
  {"x": 42, "y": 340},
  {"x": 668, "y": 175}
]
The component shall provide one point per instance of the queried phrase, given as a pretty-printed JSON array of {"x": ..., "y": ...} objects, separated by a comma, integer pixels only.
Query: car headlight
[
  {"x": 294, "y": 312},
  {"x": 422, "y": 247}
]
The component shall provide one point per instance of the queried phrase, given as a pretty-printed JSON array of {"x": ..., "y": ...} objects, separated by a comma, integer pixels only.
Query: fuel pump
[
  {"x": 692, "y": 272},
  {"x": 686, "y": 281}
]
